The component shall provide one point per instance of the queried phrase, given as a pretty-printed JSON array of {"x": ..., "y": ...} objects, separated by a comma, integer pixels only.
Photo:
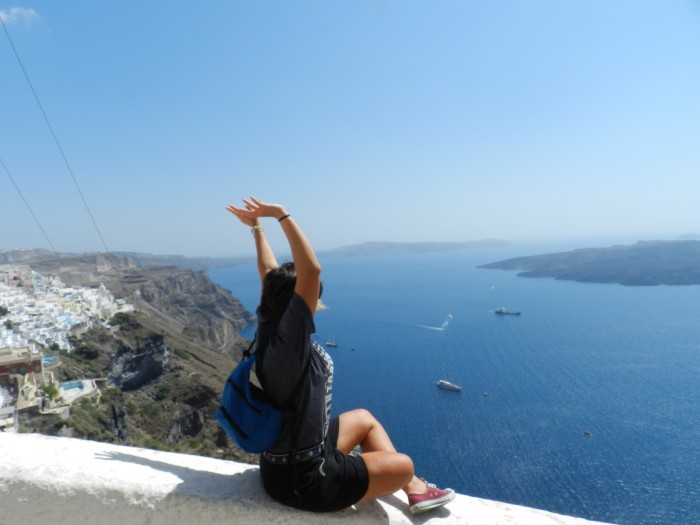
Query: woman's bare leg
[{"x": 388, "y": 470}]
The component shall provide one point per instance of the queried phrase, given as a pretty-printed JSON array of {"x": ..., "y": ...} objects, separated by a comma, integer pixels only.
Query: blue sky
[{"x": 369, "y": 120}]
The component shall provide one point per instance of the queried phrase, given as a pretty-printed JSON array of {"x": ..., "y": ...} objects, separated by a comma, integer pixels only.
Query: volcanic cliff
[{"x": 162, "y": 366}]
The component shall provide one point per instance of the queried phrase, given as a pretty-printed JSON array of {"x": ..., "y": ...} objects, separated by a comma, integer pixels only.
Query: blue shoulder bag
[{"x": 246, "y": 413}]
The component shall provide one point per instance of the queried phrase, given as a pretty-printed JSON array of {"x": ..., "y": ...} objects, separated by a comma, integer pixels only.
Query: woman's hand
[
  {"x": 248, "y": 221},
  {"x": 254, "y": 209},
  {"x": 250, "y": 216}
]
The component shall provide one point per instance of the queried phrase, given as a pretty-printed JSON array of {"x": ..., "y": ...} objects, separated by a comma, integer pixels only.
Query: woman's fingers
[
  {"x": 254, "y": 208},
  {"x": 252, "y": 201},
  {"x": 234, "y": 210}
]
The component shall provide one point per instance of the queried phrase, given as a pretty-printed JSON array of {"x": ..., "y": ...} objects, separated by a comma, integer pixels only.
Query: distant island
[
  {"x": 646, "y": 263},
  {"x": 400, "y": 248}
]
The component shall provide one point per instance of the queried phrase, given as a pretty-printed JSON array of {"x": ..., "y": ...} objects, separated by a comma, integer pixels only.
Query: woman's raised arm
[
  {"x": 265, "y": 255},
  {"x": 307, "y": 267}
]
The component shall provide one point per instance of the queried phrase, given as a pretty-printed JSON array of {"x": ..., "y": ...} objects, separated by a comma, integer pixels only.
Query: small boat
[
  {"x": 331, "y": 342},
  {"x": 501, "y": 310},
  {"x": 443, "y": 383}
]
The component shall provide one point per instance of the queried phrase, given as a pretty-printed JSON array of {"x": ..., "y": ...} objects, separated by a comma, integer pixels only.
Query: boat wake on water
[{"x": 440, "y": 328}]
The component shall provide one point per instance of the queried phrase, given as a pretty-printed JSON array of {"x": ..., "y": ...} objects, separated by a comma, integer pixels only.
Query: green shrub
[
  {"x": 163, "y": 392},
  {"x": 125, "y": 321},
  {"x": 181, "y": 354},
  {"x": 152, "y": 410},
  {"x": 50, "y": 390}
]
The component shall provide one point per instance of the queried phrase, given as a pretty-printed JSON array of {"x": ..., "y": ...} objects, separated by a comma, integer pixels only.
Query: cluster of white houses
[
  {"x": 38, "y": 312},
  {"x": 44, "y": 311}
]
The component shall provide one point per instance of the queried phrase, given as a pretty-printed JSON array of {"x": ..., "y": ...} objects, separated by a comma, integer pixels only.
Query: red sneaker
[{"x": 432, "y": 498}]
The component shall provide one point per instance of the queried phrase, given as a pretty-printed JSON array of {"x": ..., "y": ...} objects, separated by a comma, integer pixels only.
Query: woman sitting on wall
[{"x": 322, "y": 476}]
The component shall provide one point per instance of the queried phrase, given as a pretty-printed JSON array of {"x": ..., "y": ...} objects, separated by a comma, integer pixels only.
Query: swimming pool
[{"x": 72, "y": 385}]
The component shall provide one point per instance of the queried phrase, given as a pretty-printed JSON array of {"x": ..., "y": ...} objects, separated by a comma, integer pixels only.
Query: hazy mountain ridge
[
  {"x": 181, "y": 261},
  {"x": 646, "y": 263},
  {"x": 137, "y": 259},
  {"x": 143, "y": 260},
  {"x": 399, "y": 248}
]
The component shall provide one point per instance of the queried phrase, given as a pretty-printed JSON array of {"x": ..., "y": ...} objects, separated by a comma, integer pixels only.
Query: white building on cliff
[{"x": 45, "y": 311}]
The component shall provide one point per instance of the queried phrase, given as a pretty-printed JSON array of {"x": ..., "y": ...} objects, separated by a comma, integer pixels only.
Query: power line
[
  {"x": 53, "y": 134},
  {"x": 30, "y": 209}
]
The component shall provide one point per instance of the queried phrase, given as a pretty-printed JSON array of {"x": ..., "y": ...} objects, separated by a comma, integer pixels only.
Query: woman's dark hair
[{"x": 277, "y": 291}]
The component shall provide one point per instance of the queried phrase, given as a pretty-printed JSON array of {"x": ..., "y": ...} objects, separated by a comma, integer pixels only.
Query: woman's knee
[
  {"x": 360, "y": 413},
  {"x": 405, "y": 466},
  {"x": 360, "y": 418},
  {"x": 389, "y": 464},
  {"x": 388, "y": 472}
]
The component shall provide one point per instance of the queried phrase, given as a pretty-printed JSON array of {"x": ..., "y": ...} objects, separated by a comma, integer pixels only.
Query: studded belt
[{"x": 284, "y": 459}]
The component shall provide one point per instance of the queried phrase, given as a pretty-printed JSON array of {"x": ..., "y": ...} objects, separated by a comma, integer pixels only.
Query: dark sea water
[{"x": 587, "y": 404}]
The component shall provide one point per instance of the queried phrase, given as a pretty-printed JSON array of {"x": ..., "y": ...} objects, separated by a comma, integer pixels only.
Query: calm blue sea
[{"x": 587, "y": 404}]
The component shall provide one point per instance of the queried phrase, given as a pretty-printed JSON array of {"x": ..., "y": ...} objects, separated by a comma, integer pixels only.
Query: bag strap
[{"x": 247, "y": 353}]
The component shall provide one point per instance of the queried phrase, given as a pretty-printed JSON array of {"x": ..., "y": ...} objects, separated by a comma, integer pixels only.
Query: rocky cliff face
[
  {"x": 132, "y": 368},
  {"x": 180, "y": 301},
  {"x": 188, "y": 302},
  {"x": 165, "y": 366}
]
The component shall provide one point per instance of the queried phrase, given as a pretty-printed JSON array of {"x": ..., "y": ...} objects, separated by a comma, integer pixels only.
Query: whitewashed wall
[{"x": 61, "y": 481}]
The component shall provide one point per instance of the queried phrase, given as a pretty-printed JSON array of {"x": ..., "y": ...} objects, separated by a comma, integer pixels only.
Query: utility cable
[
  {"x": 30, "y": 209},
  {"x": 55, "y": 138}
]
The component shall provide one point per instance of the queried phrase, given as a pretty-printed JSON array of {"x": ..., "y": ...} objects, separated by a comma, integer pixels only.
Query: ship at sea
[
  {"x": 443, "y": 383},
  {"x": 501, "y": 310}
]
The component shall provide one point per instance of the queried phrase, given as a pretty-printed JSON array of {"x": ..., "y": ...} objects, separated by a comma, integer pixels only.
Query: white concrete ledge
[{"x": 70, "y": 481}]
